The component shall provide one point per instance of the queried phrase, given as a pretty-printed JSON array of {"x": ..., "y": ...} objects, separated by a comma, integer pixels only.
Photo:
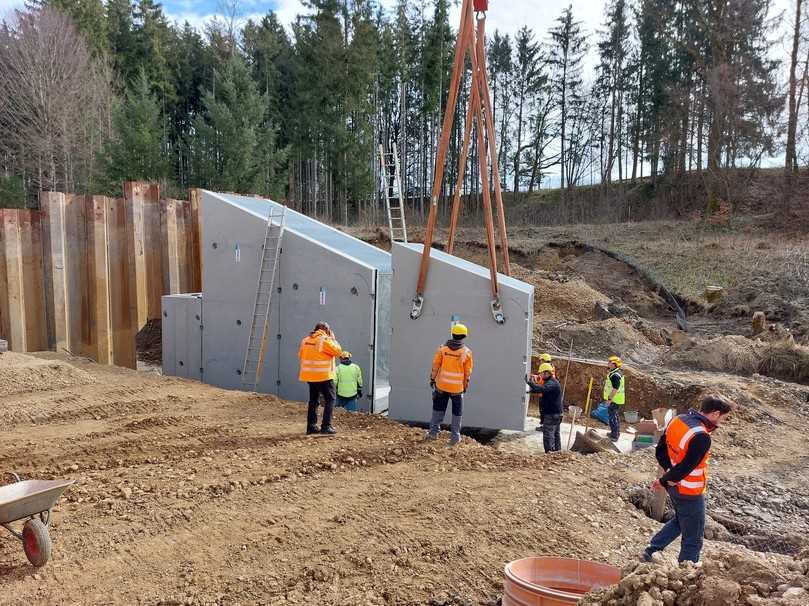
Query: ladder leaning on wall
[
  {"x": 394, "y": 204},
  {"x": 260, "y": 326}
]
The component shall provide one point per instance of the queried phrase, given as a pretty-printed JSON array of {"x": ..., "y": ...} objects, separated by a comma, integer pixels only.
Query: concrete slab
[
  {"x": 530, "y": 440},
  {"x": 496, "y": 398}
]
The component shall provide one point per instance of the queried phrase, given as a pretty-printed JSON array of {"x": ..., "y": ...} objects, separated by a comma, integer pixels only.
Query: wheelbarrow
[{"x": 32, "y": 501}]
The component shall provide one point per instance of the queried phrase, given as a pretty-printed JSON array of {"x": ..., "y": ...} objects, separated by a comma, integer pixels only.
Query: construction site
[{"x": 155, "y": 433}]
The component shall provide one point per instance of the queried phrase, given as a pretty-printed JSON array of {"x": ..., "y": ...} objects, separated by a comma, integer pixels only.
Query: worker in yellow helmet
[
  {"x": 550, "y": 407},
  {"x": 449, "y": 379},
  {"x": 614, "y": 395},
  {"x": 348, "y": 382},
  {"x": 544, "y": 358}
]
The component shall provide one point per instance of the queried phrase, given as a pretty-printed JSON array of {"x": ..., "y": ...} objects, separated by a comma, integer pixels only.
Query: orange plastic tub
[{"x": 554, "y": 581}]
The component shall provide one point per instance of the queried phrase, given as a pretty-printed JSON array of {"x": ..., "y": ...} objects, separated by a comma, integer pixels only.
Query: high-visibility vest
[
  {"x": 452, "y": 369},
  {"x": 620, "y": 395},
  {"x": 348, "y": 380},
  {"x": 317, "y": 353},
  {"x": 679, "y": 434}
]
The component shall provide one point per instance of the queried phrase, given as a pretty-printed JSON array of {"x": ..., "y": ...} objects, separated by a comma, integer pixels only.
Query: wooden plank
[
  {"x": 78, "y": 295},
  {"x": 143, "y": 214},
  {"x": 123, "y": 315},
  {"x": 33, "y": 281},
  {"x": 171, "y": 265},
  {"x": 5, "y": 326},
  {"x": 14, "y": 281},
  {"x": 195, "y": 257},
  {"x": 183, "y": 225},
  {"x": 99, "y": 284},
  {"x": 53, "y": 230}
]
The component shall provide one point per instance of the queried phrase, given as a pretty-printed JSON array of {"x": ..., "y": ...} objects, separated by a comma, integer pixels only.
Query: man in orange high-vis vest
[
  {"x": 451, "y": 371},
  {"x": 317, "y": 353},
  {"x": 683, "y": 453}
]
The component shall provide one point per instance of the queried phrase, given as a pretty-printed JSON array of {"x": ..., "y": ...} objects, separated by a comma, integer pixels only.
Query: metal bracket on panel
[
  {"x": 497, "y": 311},
  {"x": 418, "y": 302}
]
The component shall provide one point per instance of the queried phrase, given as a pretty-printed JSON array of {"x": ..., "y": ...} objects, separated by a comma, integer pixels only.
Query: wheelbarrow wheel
[{"x": 36, "y": 542}]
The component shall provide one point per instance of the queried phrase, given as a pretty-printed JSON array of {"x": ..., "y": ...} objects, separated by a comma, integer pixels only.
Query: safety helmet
[
  {"x": 460, "y": 330},
  {"x": 345, "y": 355},
  {"x": 546, "y": 357},
  {"x": 616, "y": 360},
  {"x": 545, "y": 367}
]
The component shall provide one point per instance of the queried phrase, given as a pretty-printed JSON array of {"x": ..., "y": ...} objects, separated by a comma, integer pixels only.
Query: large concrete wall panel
[
  {"x": 318, "y": 284},
  {"x": 497, "y": 397}
]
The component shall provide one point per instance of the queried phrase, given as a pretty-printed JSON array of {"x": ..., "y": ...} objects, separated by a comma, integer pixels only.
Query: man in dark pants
[
  {"x": 683, "y": 451},
  {"x": 614, "y": 395},
  {"x": 550, "y": 407},
  {"x": 317, "y": 353},
  {"x": 449, "y": 380}
]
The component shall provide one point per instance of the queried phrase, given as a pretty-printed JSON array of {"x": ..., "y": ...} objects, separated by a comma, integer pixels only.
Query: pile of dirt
[
  {"x": 725, "y": 578},
  {"x": 149, "y": 343},
  {"x": 21, "y": 373},
  {"x": 736, "y": 354},
  {"x": 558, "y": 297},
  {"x": 597, "y": 339}
]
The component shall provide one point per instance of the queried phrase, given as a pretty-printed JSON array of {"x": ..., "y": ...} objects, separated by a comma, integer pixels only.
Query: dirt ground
[{"x": 187, "y": 494}]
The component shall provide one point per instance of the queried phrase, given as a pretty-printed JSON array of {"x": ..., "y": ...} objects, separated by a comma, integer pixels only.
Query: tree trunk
[{"x": 792, "y": 123}]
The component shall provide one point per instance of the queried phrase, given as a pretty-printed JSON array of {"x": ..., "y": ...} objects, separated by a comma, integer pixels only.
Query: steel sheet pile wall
[
  {"x": 459, "y": 289},
  {"x": 85, "y": 273}
]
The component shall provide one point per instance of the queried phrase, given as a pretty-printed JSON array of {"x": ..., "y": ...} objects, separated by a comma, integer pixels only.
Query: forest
[{"x": 94, "y": 93}]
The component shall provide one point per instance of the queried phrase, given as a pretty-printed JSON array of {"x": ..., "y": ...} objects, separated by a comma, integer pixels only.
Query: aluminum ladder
[
  {"x": 394, "y": 205},
  {"x": 259, "y": 328}
]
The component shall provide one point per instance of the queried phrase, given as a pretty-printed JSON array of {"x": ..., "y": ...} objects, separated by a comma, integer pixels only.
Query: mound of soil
[
  {"x": 783, "y": 359},
  {"x": 727, "y": 577},
  {"x": 149, "y": 342},
  {"x": 560, "y": 298},
  {"x": 608, "y": 275},
  {"x": 21, "y": 373},
  {"x": 597, "y": 339}
]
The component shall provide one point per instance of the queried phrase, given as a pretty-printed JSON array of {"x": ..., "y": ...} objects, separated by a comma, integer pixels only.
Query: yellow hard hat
[
  {"x": 545, "y": 367},
  {"x": 616, "y": 360},
  {"x": 460, "y": 330},
  {"x": 546, "y": 357},
  {"x": 345, "y": 354}
]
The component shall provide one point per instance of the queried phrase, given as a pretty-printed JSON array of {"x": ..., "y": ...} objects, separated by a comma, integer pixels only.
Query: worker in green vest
[
  {"x": 614, "y": 395},
  {"x": 348, "y": 382}
]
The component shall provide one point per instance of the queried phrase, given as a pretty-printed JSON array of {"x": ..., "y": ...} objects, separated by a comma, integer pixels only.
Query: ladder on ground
[
  {"x": 260, "y": 326},
  {"x": 394, "y": 204}
]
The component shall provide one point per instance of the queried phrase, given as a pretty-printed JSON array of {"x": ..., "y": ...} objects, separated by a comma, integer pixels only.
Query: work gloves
[{"x": 359, "y": 393}]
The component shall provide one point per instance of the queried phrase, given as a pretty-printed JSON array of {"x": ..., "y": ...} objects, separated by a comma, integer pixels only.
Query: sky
[{"x": 505, "y": 15}]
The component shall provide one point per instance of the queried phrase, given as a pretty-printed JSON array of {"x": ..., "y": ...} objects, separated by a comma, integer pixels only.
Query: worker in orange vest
[
  {"x": 317, "y": 353},
  {"x": 449, "y": 379},
  {"x": 683, "y": 452}
]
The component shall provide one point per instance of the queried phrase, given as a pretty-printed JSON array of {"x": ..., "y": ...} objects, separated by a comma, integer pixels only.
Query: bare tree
[
  {"x": 792, "y": 124},
  {"x": 54, "y": 115}
]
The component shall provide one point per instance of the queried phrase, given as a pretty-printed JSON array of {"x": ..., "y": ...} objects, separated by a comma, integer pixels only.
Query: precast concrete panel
[
  {"x": 458, "y": 290},
  {"x": 182, "y": 336},
  {"x": 322, "y": 285},
  {"x": 323, "y": 274},
  {"x": 231, "y": 253}
]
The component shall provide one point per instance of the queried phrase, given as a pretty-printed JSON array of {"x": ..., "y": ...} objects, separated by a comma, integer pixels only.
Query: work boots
[
  {"x": 435, "y": 424},
  {"x": 455, "y": 429}
]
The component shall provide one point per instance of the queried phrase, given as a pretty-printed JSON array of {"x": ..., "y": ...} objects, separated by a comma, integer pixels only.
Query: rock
[
  {"x": 759, "y": 322},
  {"x": 644, "y": 599},
  {"x": 126, "y": 493},
  {"x": 601, "y": 311},
  {"x": 795, "y": 592},
  {"x": 720, "y": 592},
  {"x": 669, "y": 597}
]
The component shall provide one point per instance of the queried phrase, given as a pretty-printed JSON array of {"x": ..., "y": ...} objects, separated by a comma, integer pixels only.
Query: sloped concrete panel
[
  {"x": 323, "y": 274},
  {"x": 497, "y": 397}
]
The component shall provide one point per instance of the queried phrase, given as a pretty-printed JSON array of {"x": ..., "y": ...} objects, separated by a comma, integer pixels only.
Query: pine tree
[
  {"x": 527, "y": 81},
  {"x": 88, "y": 16},
  {"x": 137, "y": 149},
  {"x": 230, "y": 149},
  {"x": 567, "y": 52}
]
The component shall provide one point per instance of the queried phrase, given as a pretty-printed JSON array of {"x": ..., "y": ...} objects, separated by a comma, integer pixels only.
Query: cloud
[{"x": 8, "y": 6}]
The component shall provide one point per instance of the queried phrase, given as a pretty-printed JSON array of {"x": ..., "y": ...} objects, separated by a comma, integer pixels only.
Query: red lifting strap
[{"x": 481, "y": 5}]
